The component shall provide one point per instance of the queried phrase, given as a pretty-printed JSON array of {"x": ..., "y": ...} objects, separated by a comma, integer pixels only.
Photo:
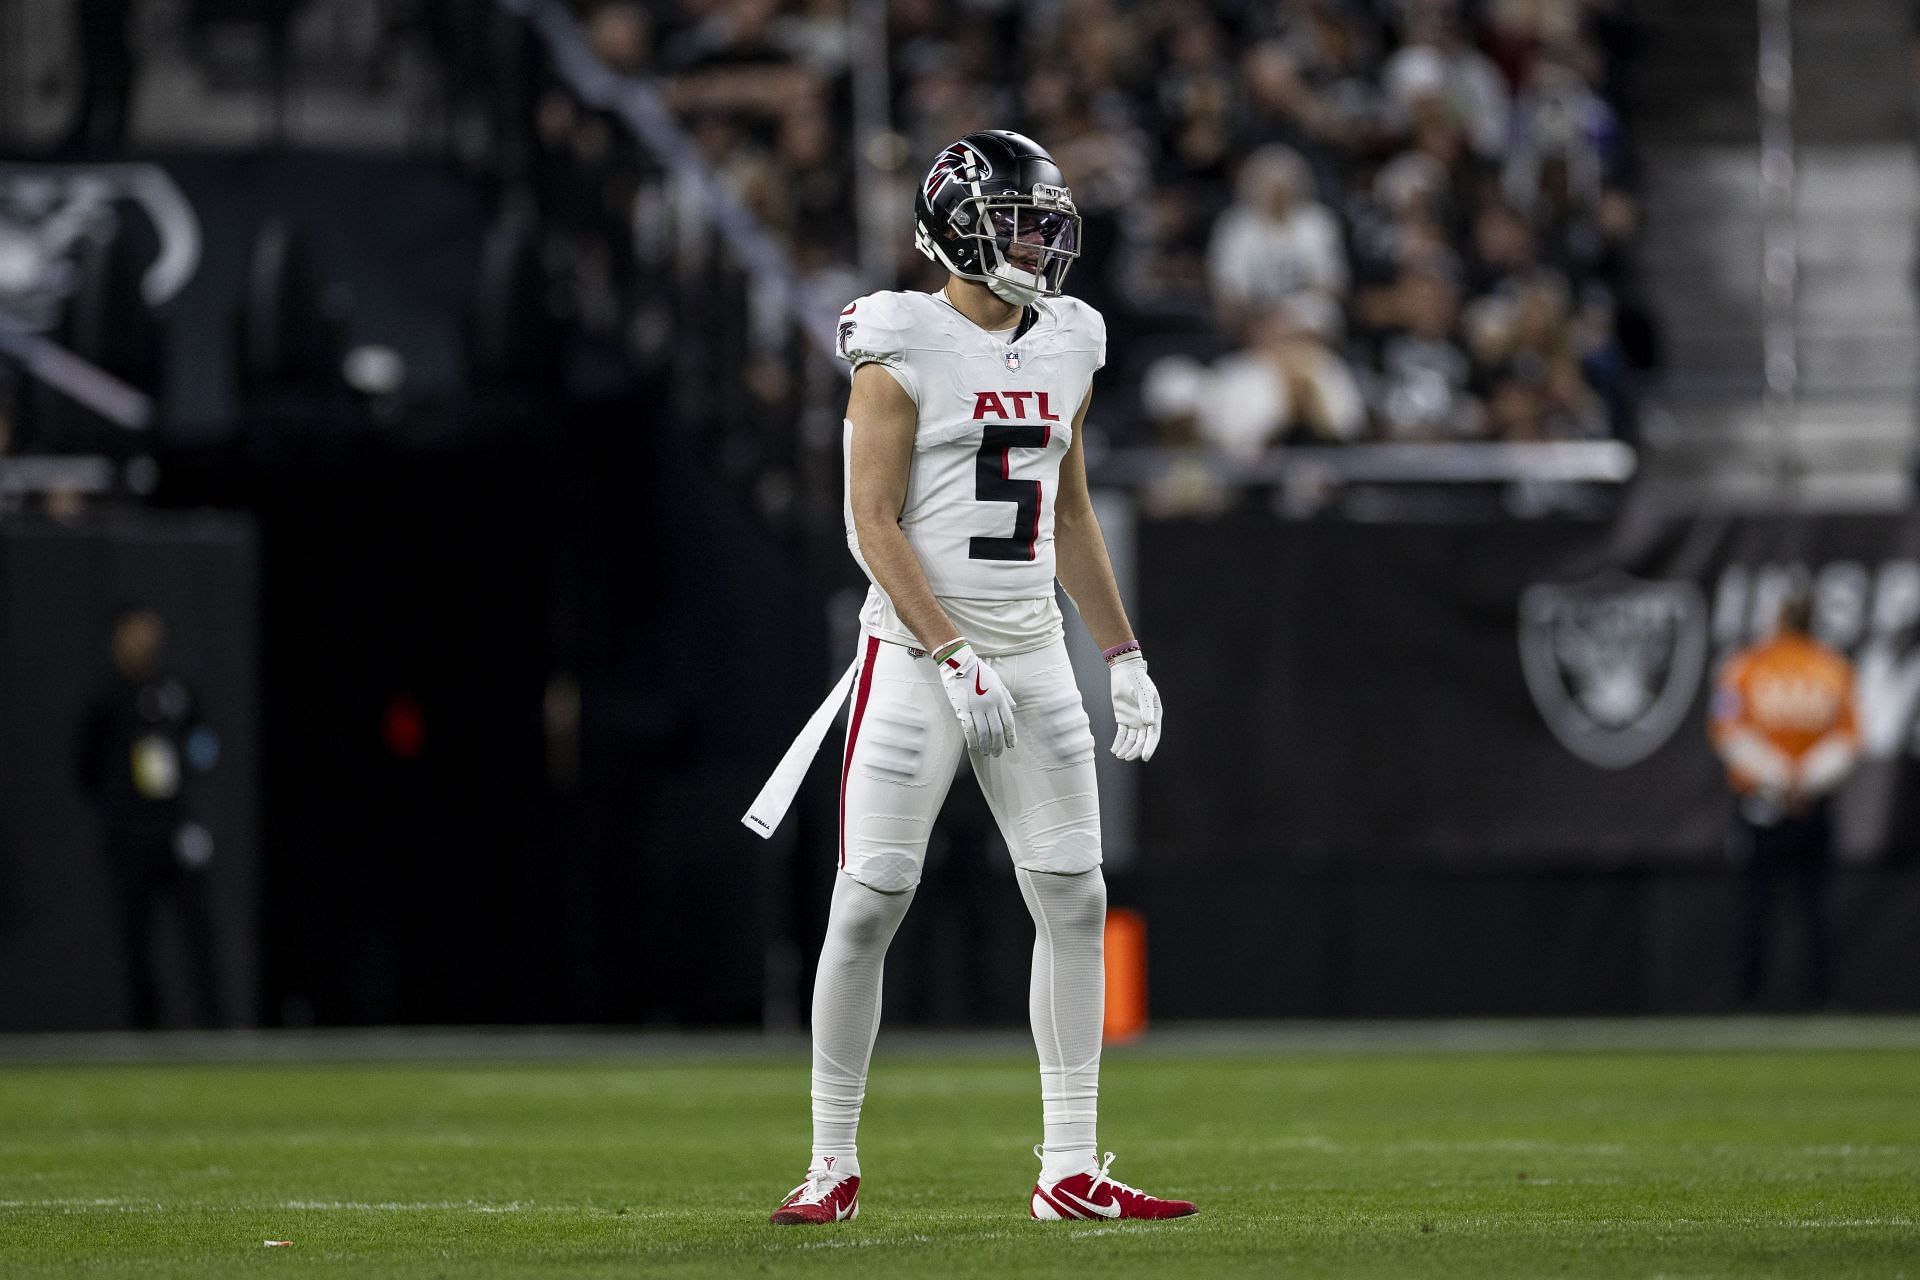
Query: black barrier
[
  {"x": 1462, "y": 769},
  {"x": 1484, "y": 696}
]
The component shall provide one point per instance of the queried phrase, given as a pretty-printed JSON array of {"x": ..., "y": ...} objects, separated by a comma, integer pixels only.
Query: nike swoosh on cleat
[{"x": 1075, "y": 1202}]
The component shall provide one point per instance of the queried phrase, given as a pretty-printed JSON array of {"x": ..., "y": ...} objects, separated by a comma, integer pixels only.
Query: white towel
[{"x": 777, "y": 796}]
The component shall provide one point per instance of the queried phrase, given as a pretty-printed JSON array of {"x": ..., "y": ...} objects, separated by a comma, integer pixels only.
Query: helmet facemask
[{"x": 1023, "y": 244}]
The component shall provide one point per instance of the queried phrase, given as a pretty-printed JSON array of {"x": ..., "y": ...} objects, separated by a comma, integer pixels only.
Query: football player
[{"x": 966, "y": 499}]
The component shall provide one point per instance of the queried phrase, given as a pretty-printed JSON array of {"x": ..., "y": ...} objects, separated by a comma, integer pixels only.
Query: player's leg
[
  {"x": 1066, "y": 999},
  {"x": 1045, "y": 798},
  {"x": 902, "y": 748}
]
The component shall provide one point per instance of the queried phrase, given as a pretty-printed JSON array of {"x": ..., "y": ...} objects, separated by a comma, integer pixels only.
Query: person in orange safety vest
[{"x": 1784, "y": 723}]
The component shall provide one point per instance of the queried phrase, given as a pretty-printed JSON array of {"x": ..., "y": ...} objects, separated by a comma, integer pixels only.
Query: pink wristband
[{"x": 1131, "y": 646}]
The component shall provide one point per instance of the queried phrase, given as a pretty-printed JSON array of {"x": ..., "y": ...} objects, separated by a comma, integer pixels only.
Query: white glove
[
  {"x": 1136, "y": 708},
  {"x": 979, "y": 699}
]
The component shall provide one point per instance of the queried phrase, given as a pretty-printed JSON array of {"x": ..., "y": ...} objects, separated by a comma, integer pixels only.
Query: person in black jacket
[{"x": 142, "y": 740}]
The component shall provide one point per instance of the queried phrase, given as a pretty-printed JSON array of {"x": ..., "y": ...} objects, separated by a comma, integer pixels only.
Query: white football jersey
[{"x": 996, "y": 417}]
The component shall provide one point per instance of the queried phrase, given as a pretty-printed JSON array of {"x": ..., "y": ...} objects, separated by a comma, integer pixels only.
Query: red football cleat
[
  {"x": 823, "y": 1197},
  {"x": 1096, "y": 1195}
]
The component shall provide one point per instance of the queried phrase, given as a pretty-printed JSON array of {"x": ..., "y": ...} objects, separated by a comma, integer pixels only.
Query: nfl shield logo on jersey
[{"x": 1013, "y": 360}]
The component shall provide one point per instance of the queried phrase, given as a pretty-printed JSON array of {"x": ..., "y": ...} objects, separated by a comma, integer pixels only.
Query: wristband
[
  {"x": 950, "y": 648},
  {"x": 1120, "y": 651}
]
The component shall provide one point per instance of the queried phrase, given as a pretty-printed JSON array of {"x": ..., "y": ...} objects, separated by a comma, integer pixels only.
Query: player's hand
[
  {"x": 979, "y": 699},
  {"x": 1136, "y": 708}
]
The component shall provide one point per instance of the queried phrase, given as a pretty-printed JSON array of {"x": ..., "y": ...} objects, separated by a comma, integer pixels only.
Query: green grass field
[{"x": 1426, "y": 1157}]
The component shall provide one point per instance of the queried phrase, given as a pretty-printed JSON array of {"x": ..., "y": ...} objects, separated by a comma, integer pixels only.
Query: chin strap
[{"x": 1020, "y": 295}]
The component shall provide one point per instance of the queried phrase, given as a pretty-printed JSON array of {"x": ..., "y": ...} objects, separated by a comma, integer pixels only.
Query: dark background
[{"x": 500, "y": 653}]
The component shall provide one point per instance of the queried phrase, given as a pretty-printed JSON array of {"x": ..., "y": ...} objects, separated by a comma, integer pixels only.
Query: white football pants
[
  {"x": 904, "y": 742},
  {"x": 903, "y": 745}
]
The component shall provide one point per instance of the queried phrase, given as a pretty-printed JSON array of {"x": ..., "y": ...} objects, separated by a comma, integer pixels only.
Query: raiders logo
[
  {"x": 1614, "y": 663},
  {"x": 47, "y": 211}
]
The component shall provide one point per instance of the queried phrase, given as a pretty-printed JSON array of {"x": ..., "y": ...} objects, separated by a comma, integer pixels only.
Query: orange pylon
[{"x": 1126, "y": 946}]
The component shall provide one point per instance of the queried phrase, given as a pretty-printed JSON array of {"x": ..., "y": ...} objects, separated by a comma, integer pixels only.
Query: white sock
[
  {"x": 1067, "y": 1000},
  {"x": 846, "y": 1015}
]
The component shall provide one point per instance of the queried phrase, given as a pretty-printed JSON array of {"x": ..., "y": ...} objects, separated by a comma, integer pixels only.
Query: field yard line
[
  {"x": 124, "y": 1205},
  {"x": 853, "y": 1244},
  {"x": 417, "y": 1206},
  {"x": 870, "y": 1242}
]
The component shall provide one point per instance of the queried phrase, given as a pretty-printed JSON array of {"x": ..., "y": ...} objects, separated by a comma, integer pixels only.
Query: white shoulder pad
[
  {"x": 874, "y": 329},
  {"x": 1085, "y": 323}
]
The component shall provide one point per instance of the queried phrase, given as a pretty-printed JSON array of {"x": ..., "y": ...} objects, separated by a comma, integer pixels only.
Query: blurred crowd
[{"x": 1308, "y": 221}]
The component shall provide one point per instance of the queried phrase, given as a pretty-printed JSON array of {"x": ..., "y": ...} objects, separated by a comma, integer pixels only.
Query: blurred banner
[{"x": 1518, "y": 696}]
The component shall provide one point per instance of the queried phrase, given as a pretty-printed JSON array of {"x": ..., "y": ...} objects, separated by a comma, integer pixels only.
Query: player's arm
[
  {"x": 1079, "y": 550},
  {"x": 879, "y": 460},
  {"x": 1081, "y": 563},
  {"x": 882, "y": 417}
]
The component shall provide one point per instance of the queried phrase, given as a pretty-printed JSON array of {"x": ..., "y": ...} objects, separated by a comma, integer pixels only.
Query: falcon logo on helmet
[
  {"x": 996, "y": 209},
  {"x": 958, "y": 163}
]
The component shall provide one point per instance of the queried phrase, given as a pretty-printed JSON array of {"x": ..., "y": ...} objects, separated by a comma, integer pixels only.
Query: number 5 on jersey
[{"x": 991, "y": 484}]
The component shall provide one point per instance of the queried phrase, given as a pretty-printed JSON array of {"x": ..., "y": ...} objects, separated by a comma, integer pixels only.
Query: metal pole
[
  {"x": 1779, "y": 253},
  {"x": 873, "y": 144}
]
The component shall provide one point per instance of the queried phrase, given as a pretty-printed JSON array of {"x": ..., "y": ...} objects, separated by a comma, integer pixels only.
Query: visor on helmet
[{"x": 1028, "y": 246}]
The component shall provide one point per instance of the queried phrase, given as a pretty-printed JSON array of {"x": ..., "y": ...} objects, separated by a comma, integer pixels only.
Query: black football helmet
[{"x": 995, "y": 208}]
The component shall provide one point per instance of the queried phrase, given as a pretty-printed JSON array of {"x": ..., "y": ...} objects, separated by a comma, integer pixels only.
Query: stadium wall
[
  {"x": 60, "y": 588},
  {"x": 1459, "y": 769}
]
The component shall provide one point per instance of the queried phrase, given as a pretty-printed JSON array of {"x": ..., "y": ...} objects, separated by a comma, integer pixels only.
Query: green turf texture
[{"x": 1694, "y": 1164}]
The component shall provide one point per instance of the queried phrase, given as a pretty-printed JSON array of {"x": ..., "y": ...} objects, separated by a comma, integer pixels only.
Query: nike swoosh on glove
[
  {"x": 979, "y": 699},
  {"x": 1136, "y": 708}
]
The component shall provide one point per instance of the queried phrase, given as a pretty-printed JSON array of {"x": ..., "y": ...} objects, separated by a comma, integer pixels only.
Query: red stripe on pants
[{"x": 853, "y": 734}]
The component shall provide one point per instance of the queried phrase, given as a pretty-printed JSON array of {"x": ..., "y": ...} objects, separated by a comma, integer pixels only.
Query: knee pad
[
  {"x": 886, "y": 851},
  {"x": 887, "y": 828},
  {"x": 1060, "y": 834}
]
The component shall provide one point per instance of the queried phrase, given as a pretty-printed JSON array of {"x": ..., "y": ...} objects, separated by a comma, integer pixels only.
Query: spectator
[
  {"x": 1276, "y": 242},
  {"x": 1410, "y": 167},
  {"x": 621, "y": 37},
  {"x": 1439, "y": 68},
  {"x": 1502, "y": 247},
  {"x": 815, "y": 36},
  {"x": 1165, "y": 272},
  {"x": 1564, "y": 143},
  {"x": 1286, "y": 386},
  {"x": 1175, "y": 393},
  {"x": 1425, "y": 373}
]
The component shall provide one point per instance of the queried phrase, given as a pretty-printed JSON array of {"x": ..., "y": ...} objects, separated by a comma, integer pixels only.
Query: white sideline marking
[
  {"x": 301, "y": 1206},
  {"x": 410, "y": 1206},
  {"x": 872, "y": 1241},
  {"x": 1514, "y": 1145}
]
